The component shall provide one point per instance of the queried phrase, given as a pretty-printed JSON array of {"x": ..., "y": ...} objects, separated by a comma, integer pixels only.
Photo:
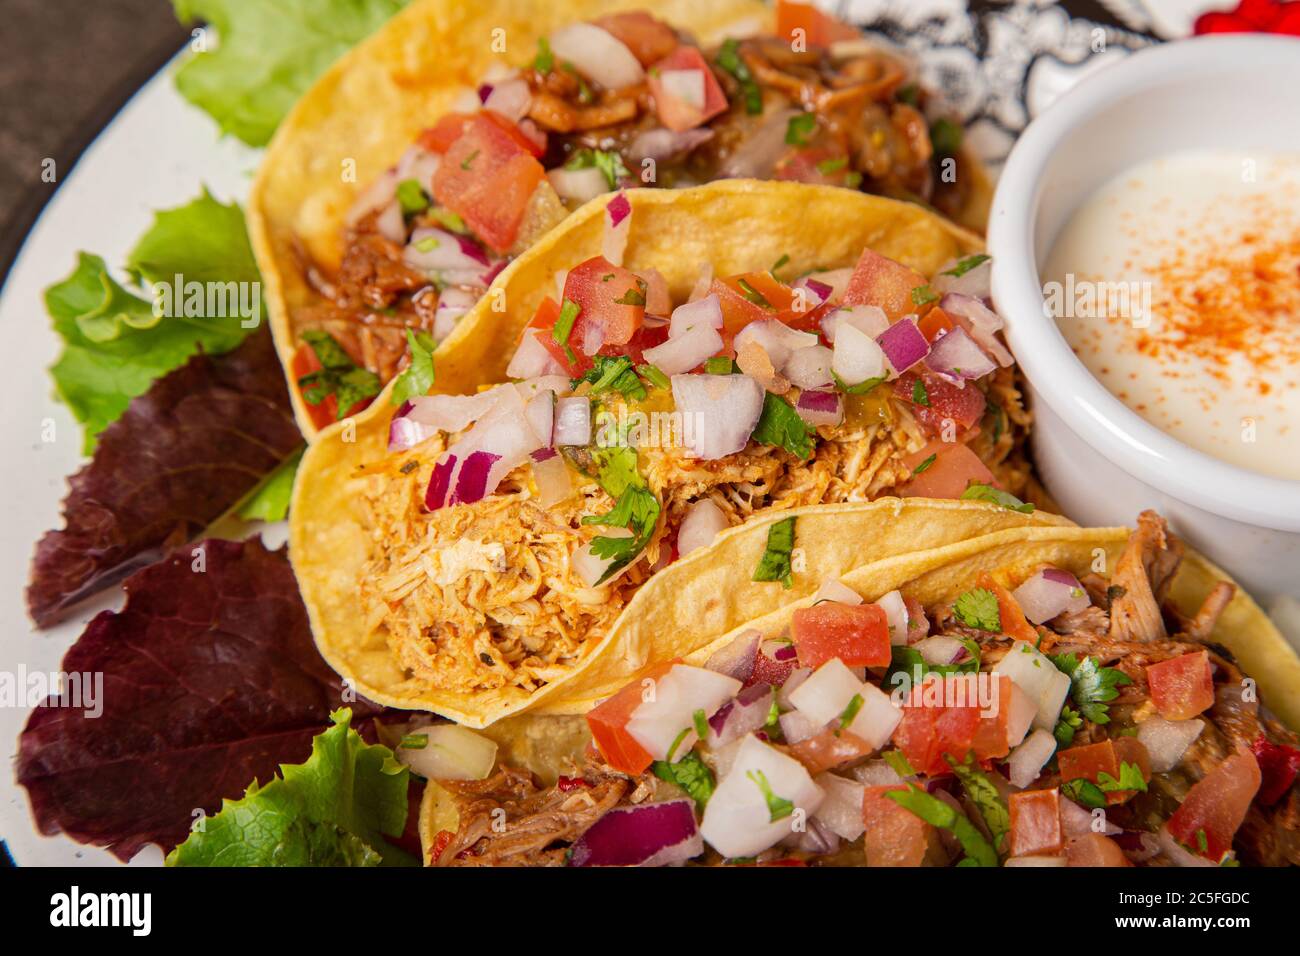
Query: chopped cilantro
[
  {"x": 919, "y": 395},
  {"x": 414, "y": 741},
  {"x": 689, "y": 773},
  {"x": 730, "y": 61},
  {"x": 984, "y": 795},
  {"x": 898, "y": 762},
  {"x": 338, "y": 376},
  {"x": 701, "y": 722},
  {"x": 778, "y": 808},
  {"x": 782, "y": 426},
  {"x": 427, "y": 244},
  {"x": 1069, "y": 722},
  {"x": 544, "y": 62},
  {"x": 609, "y": 162},
  {"x": 860, "y": 389},
  {"x": 1091, "y": 685},
  {"x": 849, "y": 712},
  {"x": 979, "y": 852},
  {"x": 636, "y": 508},
  {"x": 719, "y": 366},
  {"x": 677, "y": 742},
  {"x": 614, "y": 373},
  {"x": 411, "y": 197},
  {"x": 468, "y": 162},
  {"x": 447, "y": 219},
  {"x": 925, "y": 464},
  {"x": 923, "y": 295},
  {"x": 828, "y": 166},
  {"x": 910, "y": 94},
  {"x": 634, "y": 295},
  {"x": 775, "y": 563},
  {"x": 564, "y": 324},
  {"x": 965, "y": 265},
  {"x": 654, "y": 376},
  {"x": 978, "y": 608},
  {"x": 753, "y": 295},
  {"x": 946, "y": 137},
  {"x": 800, "y": 128},
  {"x": 418, "y": 377},
  {"x": 979, "y": 491},
  {"x": 785, "y": 257}
]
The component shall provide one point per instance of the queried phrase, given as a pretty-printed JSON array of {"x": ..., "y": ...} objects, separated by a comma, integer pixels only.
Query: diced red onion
[
  {"x": 1167, "y": 740},
  {"x": 719, "y": 412},
  {"x": 551, "y": 475},
  {"x": 781, "y": 651},
  {"x": 1029, "y": 758},
  {"x": 816, "y": 839},
  {"x": 597, "y": 55},
  {"x": 955, "y": 356},
  {"x": 1050, "y": 592},
  {"x": 618, "y": 224},
  {"x": 857, "y": 357},
  {"x": 578, "y": 185},
  {"x": 818, "y": 290},
  {"x": 833, "y": 589},
  {"x": 511, "y": 99},
  {"x": 648, "y": 834},
  {"x": 777, "y": 339},
  {"x": 531, "y": 358},
  {"x": 941, "y": 650},
  {"x": 736, "y": 658},
  {"x": 903, "y": 344},
  {"x": 377, "y": 195},
  {"x": 453, "y": 303},
  {"x": 820, "y": 408},
  {"x": 705, "y": 311},
  {"x": 797, "y": 726},
  {"x": 662, "y": 143},
  {"x": 703, "y": 522},
  {"x": 975, "y": 283},
  {"x": 572, "y": 421},
  {"x": 809, "y": 368},
  {"x": 391, "y": 224},
  {"x": 440, "y": 482},
  {"x": 895, "y": 609},
  {"x": 484, "y": 91},
  {"x": 494, "y": 270},
  {"x": 686, "y": 351},
  {"x": 540, "y": 415},
  {"x": 747, "y": 712},
  {"x": 472, "y": 481},
  {"x": 981, "y": 322}
]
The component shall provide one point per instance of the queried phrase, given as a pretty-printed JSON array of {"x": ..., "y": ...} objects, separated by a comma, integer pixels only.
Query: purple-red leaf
[
  {"x": 181, "y": 455},
  {"x": 210, "y": 680}
]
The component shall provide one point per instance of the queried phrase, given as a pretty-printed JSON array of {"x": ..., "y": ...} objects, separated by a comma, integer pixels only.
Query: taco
[
  {"x": 481, "y": 552},
  {"x": 991, "y": 701},
  {"x": 455, "y": 137}
]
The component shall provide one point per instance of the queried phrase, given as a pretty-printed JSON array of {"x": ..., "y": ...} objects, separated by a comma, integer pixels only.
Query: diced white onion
[
  {"x": 719, "y": 412},
  {"x": 1167, "y": 740},
  {"x": 857, "y": 357},
  {"x": 703, "y": 522},
  {"x": 841, "y": 810},
  {"x": 450, "y": 753},
  {"x": 597, "y": 55},
  {"x": 573, "y": 421},
  {"x": 738, "y": 819},
  {"x": 704, "y": 311},
  {"x": 833, "y": 589},
  {"x": 511, "y": 99},
  {"x": 686, "y": 351},
  {"x": 896, "y": 613},
  {"x": 1028, "y": 759},
  {"x": 578, "y": 185}
]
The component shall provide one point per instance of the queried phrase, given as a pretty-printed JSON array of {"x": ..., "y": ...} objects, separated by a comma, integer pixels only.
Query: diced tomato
[
  {"x": 439, "y": 137},
  {"x": 649, "y": 39},
  {"x": 674, "y": 112},
  {"x": 856, "y": 634},
  {"x": 487, "y": 177},
  {"x": 304, "y": 363},
  {"x": 929, "y": 730},
  {"x": 991, "y": 732},
  {"x": 542, "y": 325},
  {"x": 1215, "y": 806},
  {"x": 941, "y": 402},
  {"x": 817, "y": 28},
  {"x": 1278, "y": 766},
  {"x": 1014, "y": 623},
  {"x": 596, "y": 286},
  {"x": 646, "y": 337},
  {"x": 751, "y": 297},
  {"x": 894, "y": 836},
  {"x": 608, "y": 722},
  {"x": 534, "y": 145},
  {"x": 1088, "y": 762},
  {"x": 768, "y": 670},
  {"x": 934, "y": 323},
  {"x": 1093, "y": 849},
  {"x": 884, "y": 283},
  {"x": 1182, "y": 687},
  {"x": 440, "y": 843},
  {"x": 954, "y": 467},
  {"x": 827, "y": 750},
  {"x": 1035, "y": 823},
  {"x": 819, "y": 165}
]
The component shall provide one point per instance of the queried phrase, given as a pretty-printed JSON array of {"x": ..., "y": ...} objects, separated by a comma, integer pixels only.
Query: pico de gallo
[
  {"x": 509, "y": 528},
  {"x": 623, "y": 101},
  {"x": 889, "y": 734}
]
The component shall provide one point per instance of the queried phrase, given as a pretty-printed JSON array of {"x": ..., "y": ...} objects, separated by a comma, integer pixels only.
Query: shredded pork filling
[{"x": 484, "y": 596}]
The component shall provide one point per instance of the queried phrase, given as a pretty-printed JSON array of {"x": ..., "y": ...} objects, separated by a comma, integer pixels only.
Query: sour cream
[{"x": 1177, "y": 284}]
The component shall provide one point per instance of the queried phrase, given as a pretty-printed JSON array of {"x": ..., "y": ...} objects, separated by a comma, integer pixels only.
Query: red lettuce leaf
[
  {"x": 181, "y": 455},
  {"x": 210, "y": 680}
]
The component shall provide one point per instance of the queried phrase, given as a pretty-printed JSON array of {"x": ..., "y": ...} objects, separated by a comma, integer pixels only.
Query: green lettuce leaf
[
  {"x": 270, "y": 52},
  {"x": 333, "y": 810},
  {"x": 114, "y": 346},
  {"x": 270, "y": 501}
]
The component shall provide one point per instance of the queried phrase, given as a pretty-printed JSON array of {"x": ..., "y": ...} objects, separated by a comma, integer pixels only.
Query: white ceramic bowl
[{"x": 1103, "y": 462}]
